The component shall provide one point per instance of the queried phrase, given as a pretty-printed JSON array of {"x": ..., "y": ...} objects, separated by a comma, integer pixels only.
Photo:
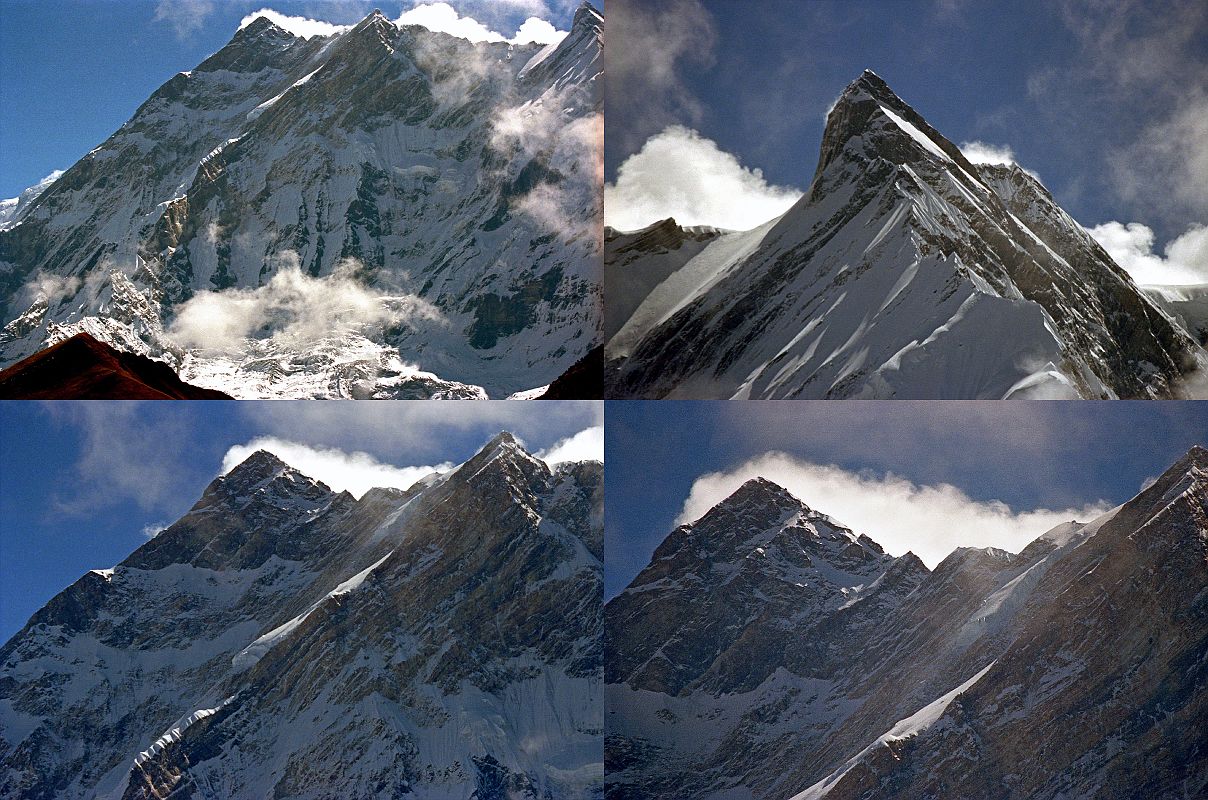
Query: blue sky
[
  {"x": 923, "y": 475},
  {"x": 84, "y": 483},
  {"x": 72, "y": 72},
  {"x": 1106, "y": 101}
]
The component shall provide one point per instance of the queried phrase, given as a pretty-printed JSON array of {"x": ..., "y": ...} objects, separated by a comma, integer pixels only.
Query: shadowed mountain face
[
  {"x": 906, "y": 271},
  {"x": 81, "y": 368},
  {"x": 384, "y": 212},
  {"x": 768, "y": 652},
  {"x": 284, "y": 640}
]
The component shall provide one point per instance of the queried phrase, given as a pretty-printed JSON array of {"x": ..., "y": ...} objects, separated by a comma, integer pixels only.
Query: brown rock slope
[{"x": 82, "y": 368}]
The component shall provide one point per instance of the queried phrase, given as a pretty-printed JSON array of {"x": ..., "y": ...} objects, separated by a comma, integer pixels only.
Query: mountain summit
[
  {"x": 906, "y": 271},
  {"x": 383, "y": 212}
]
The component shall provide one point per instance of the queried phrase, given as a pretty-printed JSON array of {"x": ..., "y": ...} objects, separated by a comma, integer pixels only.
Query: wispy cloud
[
  {"x": 900, "y": 515},
  {"x": 679, "y": 173},
  {"x": 185, "y": 16},
  {"x": 126, "y": 454},
  {"x": 650, "y": 44}
]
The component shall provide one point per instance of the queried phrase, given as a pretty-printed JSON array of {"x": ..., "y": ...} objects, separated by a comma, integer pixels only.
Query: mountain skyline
[
  {"x": 96, "y": 480},
  {"x": 83, "y": 77}
]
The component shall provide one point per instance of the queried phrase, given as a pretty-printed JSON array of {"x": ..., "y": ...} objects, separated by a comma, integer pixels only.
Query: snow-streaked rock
[
  {"x": 285, "y": 640},
  {"x": 904, "y": 272}
]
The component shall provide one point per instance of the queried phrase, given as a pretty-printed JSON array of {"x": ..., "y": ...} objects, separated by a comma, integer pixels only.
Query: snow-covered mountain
[
  {"x": 383, "y": 212},
  {"x": 284, "y": 640},
  {"x": 768, "y": 652},
  {"x": 906, "y": 271}
]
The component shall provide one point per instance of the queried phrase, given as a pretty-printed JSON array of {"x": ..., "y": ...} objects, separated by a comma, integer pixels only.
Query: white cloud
[
  {"x": 355, "y": 472},
  {"x": 295, "y": 307},
  {"x": 443, "y": 18},
  {"x": 185, "y": 16},
  {"x": 535, "y": 30},
  {"x": 422, "y": 430},
  {"x": 586, "y": 445},
  {"x": 898, "y": 514},
  {"x": 298, "y": 26},
  {"x": 984, "y": 153},
  {"x": 1131, "y": 246},
  {"x": 679, "y": 173},
  {"x": 154, "y": 529}
]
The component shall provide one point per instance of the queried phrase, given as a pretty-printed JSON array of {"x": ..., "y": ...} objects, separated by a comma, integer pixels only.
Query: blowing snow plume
[{"x": 295, "y": 307}]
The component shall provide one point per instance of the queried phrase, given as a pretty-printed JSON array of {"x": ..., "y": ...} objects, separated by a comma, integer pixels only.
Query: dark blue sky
[
  {"x": 1029, "y": 455},
  {"x": 81, "y": 480},
  {"x": 72, "y": 71},
  {"x": 1099, "y": 98}
]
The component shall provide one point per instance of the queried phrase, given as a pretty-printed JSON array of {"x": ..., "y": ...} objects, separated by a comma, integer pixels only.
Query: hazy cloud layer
[
  {"x": 185, "y": 16},
  {"x": 898, "y": 514},
  {"x": 1149, "y": 59},
  {"x": 1131, "y": 246},
  {"x": 295, "y": 307},
  {"x": 650, "y": 45},
  {"x": 122, "y": 458},
  {"x": 355, "y": 472},
  {"x": 679, "y": 173},
  {"x": 586, "y": 445}
]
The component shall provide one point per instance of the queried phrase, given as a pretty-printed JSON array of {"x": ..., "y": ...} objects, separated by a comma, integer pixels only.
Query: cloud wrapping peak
[
  {"x": 930, "y": 521},
  {"x": 679, "y": 173},
  {"x": 355, "y": 472},
  {"x": 1131, "y": 246}
]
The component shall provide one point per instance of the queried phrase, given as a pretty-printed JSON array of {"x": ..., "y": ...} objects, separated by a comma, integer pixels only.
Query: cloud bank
[
  {"x": 298, "y": 26},
  {"x": 355, "y": 472},
  {"x": 898, "y": 514},
  {"x": 294, "y": 306},
  {"x": 679, "y": 173},
  {"x": 1131, "y": 246},
  {"x": 586, "y": 445},
  {"x": 443, "y": 18}
]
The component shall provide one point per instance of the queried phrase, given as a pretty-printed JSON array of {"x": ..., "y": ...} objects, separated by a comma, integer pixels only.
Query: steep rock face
[
  {"x": 455, "y": 183},
  {"x": 906, "y": 271},
  {"x": 1072, "y": 669},
  {"x": 723, "y": 654},
  {"x": 285, "y": 640}
]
